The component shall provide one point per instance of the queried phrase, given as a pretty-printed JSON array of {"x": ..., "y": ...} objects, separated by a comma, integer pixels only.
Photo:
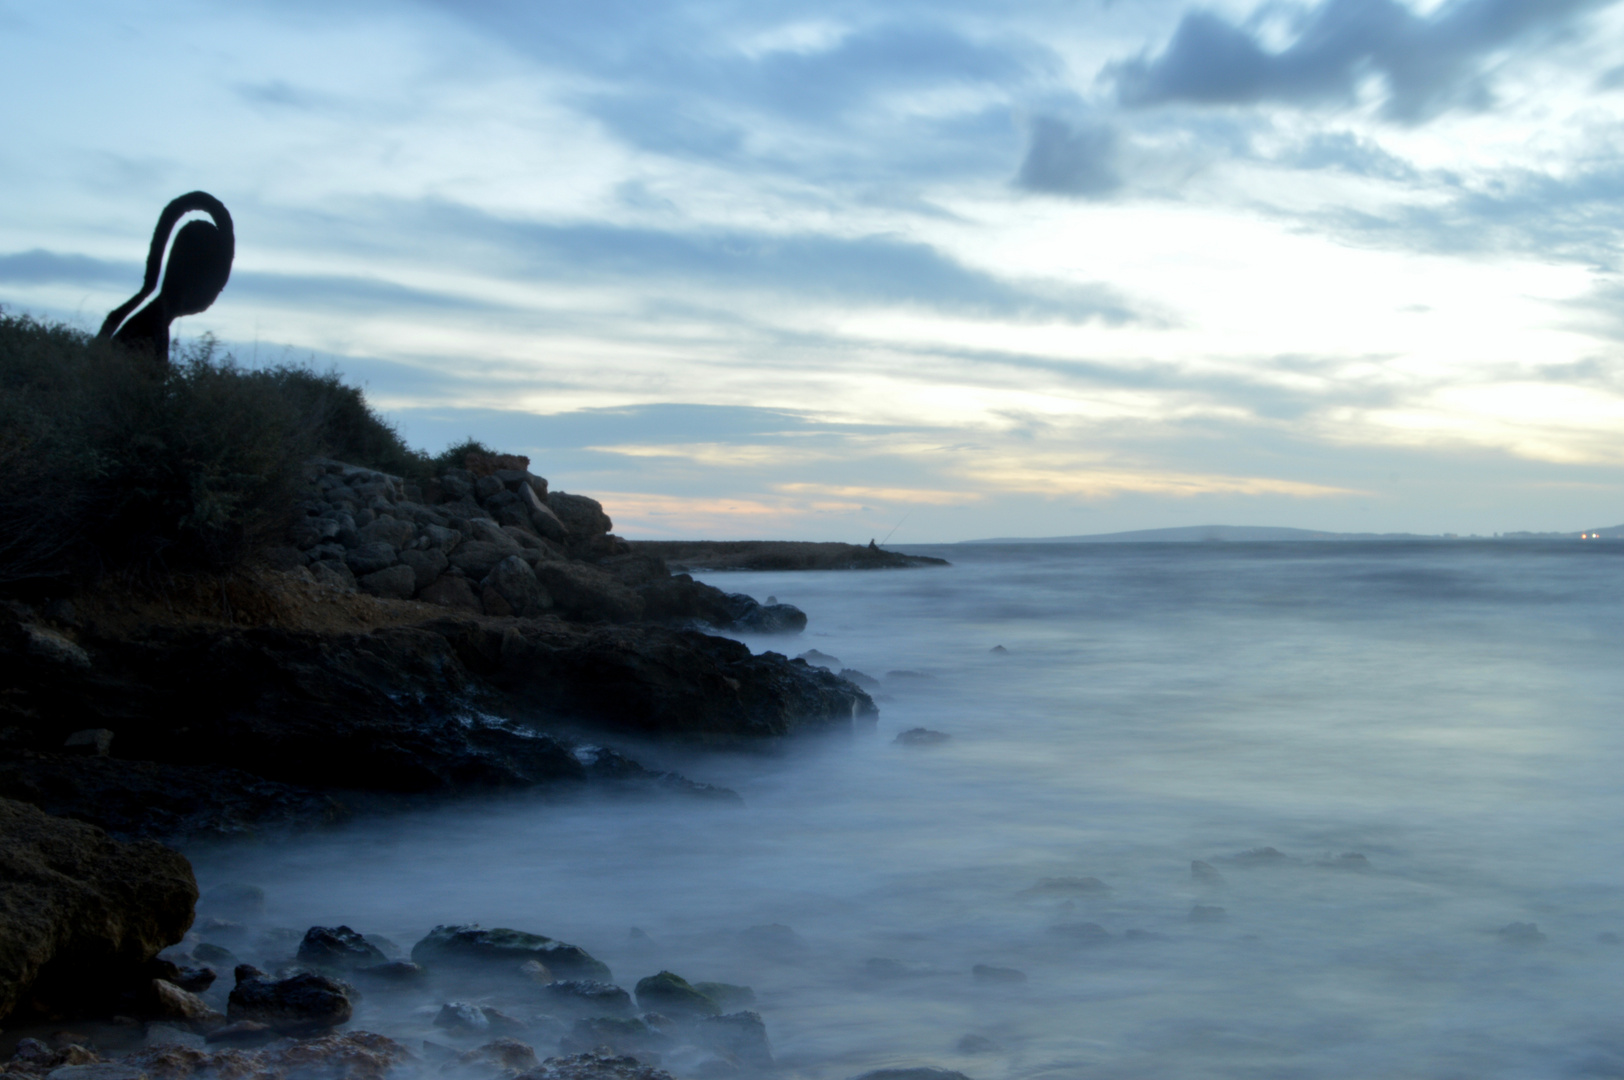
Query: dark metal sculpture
[{"x": 199, "y": 265}]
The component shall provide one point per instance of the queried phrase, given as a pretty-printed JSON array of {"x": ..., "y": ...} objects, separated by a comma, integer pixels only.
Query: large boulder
[
  {"x": 586, "y": 594},
  {"x": 81, "y": 914},
  {"x": 516, "y": 589},
  {"x": 473, "y": 946},
  {"x": 582, "y": 517},
  {"x": 672, "y": 995}
]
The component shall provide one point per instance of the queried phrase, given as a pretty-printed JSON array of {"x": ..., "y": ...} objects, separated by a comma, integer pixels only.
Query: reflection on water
[{"x": 1448, "y": 712}]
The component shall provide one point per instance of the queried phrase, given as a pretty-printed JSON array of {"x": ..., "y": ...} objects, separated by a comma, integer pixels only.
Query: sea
[{"x": 1237, "y": 810}]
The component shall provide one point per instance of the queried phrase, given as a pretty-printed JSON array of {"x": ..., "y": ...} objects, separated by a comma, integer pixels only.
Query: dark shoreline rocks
[{"x": 692, "y": 555}]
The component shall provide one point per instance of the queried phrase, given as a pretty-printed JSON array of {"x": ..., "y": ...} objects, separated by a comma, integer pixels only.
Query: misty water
[{"x": 1448, "y": 711}]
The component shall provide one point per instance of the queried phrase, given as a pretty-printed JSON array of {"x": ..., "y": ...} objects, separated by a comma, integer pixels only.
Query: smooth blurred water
[{"x": 1450, "y": 711}]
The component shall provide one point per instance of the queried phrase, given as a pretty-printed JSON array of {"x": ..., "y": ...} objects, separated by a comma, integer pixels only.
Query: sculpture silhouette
[{"x": 199, "y": 265}]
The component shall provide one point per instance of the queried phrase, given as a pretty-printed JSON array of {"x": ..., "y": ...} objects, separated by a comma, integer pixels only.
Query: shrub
[{"x": 106, "y": 463}]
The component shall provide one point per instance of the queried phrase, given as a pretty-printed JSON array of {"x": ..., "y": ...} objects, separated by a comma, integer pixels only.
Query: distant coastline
[{"x": 1196, "y": 534}]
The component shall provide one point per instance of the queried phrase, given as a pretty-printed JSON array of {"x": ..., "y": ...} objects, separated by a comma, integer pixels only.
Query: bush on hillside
[{"x": 106, "y": 464}]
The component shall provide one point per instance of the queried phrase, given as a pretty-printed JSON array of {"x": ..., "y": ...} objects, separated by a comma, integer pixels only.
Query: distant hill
[{"x": 1195, "y": 534}]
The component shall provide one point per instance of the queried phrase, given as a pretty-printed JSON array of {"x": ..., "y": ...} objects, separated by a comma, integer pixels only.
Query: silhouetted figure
[{"x": 199, "y": 264}]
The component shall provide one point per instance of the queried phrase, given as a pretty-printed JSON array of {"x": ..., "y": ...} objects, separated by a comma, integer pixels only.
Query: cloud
[
  {"x": 41, "y": 267},
  {"x": 1063, "y": 159},
  {"x": 1429, "y": 63}
]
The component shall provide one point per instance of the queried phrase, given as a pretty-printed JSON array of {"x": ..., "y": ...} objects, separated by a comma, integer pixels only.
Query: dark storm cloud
[
  {"x": 1429, "y": 63},
  {"x": 1067, "y": 159}
]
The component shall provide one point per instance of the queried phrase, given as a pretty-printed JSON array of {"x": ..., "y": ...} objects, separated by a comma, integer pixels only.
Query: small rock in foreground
[
  {"x": 302, "y": 1004},
  {"x": 595, "y": 1067}
]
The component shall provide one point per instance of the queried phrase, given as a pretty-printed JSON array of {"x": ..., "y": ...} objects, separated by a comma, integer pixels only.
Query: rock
[
  {"x": 591, "y": 1066},
  {"x": 587, "y": 996},
  {"x": 508, "y": 1056},
  {"x": 1205, "y": 873},
  {"x": 396, "y": 971},
  {"x": 105, "y": 1070},
  {"x": 754, "y": 618},
  {"x": 427, "y": 564},
  {"x": 463, "y": 1017},
  {"x": 772, "y": 940},
  {"x": 582, "y": 517},
  {"x": 867, "y": 682},
  {"x": 335, "y": 573},
  {"x": 338, "y": 947},
  {"x": 233, "y": 900},
  {"x": 302, "y": 1004},
  {"x": 242, "y": 1033},
  {"x": 542, "y": 518},
  {"x": 394, "y": 583},
  {"x": 1521, "y": 933},
  {"x": 727, "y": 995},
  {"x": 472, "y": 946},
  {"x": 820, "y": 659},
  {"x": 477, "y": 558},
  {"x": 453, "y": 592},
  {"x": 917, "y": 1073},
  {"x": 169, "y": 1002},
  {"x": 210, "y": 953},
  {"x": 617, "y": 1035},
  {"x": 169, "y": 1035},
  {"x": 370, "y": 558},
  {"x": 1084, "y": 933},
  {"x": 922, "y": 737},
  {"x": 988, "y": 973},
  {"x": 389, "y": 530},
  {"x": 1263, "y": 856},
  {"x": 671, "y": 994},
  {"x": 586, "y": 594},
  {"x": 998, "y": 650},
  {"x": 740, "y": 1035},
  {"x": 1348, "y": 860},
  {"x": 52, "y": 648},
  {"x": 516, "y": 583},
  {"x": 95, "y": 742},
  {"x": 194, "y": 980},
  {"x": 1068, "y": 886},
  {"x": 82, "y": 913},
  {"x": 1206, "y": 913}
]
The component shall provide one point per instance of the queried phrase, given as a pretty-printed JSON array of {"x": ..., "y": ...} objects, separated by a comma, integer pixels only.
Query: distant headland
[{"x": 1196, "y": 534}]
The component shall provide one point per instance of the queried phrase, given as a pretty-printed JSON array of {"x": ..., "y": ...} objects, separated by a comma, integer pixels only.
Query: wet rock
[
  {"x": 820, "y": 659},
  {"x": 210, "y": 953},
  {"x": 394, "y": 583},
  {"x": 463, "y": 1017},
  {"x": 105, "y": 1070},
  {"x": 1205, "y": 873},
  {"x": 916, "y": 1073},
  {"x": 1082, "y": 933},
  {"x": 589, "y": 997},
  {"x": 1206, "y": 913},
  {"x": 303, "y": 1004},
  {"x": 84, "y": 912},
  {"x": 509, "y": 1056},
  {"x": 727, "y": 995},
  {"x": 393, "y": 971},
  {"x": 338, "y": 947},
  {"x": 353, "y": 1055},
  {"x": 671, "y": 994},
  {"x": 922, "y": 737},
  {"x": 54, "y": 649},
  {"x": 617, "y": 1035},
  {"x": 586, "y": 594},
  {"x": 1263, "y": 856},
  {"x": 989, "y": 973},
  {"x": 1521, "y": 933},
  {"x": 242, "y": 1033},
  {"x": 472, "y": 946},
  {"x": 741, "y": 1035},
  {"x": 753, "y": 618},
  {"x": 166, "y": 1001},
  {"x": 1068, "y": 886},
  {"x": 591, "y": 1066},
  {"x": 194, "y": 980},
  {"x": 95, "y": 742},
  {"x": 867, "y": 682}
]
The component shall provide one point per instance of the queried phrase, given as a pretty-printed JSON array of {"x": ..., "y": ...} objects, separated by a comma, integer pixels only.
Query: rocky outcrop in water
[{"x": 82, "y": 915}]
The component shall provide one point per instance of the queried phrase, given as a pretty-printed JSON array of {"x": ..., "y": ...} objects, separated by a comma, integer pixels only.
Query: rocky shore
[
  {"x": 479, "y": 632},
  {"x": 778, "y": 555}
]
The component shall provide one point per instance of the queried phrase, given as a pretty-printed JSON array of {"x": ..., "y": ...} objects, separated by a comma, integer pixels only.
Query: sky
[{"x": 927, "y": 271}]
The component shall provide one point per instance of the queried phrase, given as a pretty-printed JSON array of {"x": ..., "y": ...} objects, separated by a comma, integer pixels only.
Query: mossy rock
[
  {"x": 472, "y": 945},
  {"x": 727, "y": 995},
  {"x": 673, "y": 995}
]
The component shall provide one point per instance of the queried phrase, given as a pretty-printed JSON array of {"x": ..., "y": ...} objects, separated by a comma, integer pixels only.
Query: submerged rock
[
  {"x": 618, "y": 1035},
  {"x": 1068, "y": 886},
  {"x": 588, "y": 996},
  {"x": 922, "y": 737},
  {"x": 473, "y": 946},
  {"x": 673, "y": 995},
  {"x": 338, "y": 947}
]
